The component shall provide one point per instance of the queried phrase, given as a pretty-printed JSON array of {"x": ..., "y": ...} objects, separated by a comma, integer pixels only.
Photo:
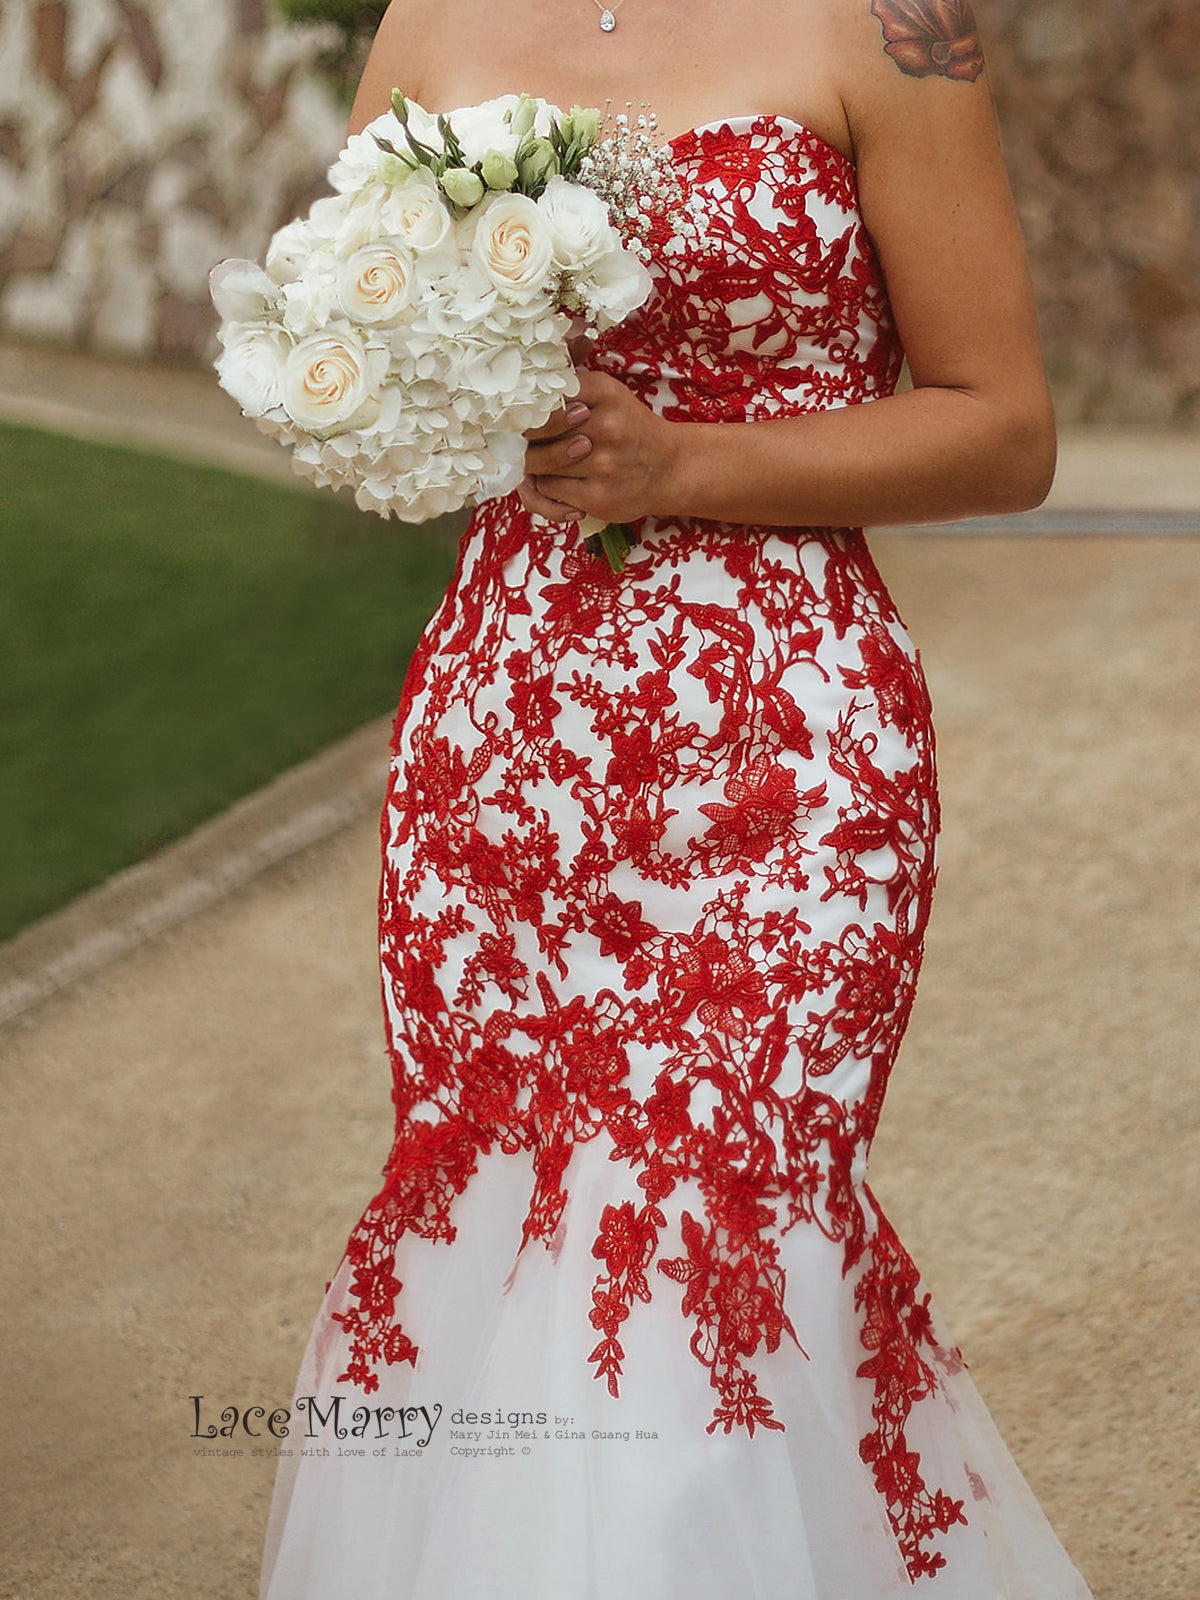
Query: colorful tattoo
[{"x": 931, "y": 36}]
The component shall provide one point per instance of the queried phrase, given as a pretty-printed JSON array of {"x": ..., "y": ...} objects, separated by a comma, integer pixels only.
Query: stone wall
[{"x": 141, "y": 142}]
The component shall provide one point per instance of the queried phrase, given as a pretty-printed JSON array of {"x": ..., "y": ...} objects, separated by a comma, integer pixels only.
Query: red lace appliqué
[{"x": 708, "y": 783}]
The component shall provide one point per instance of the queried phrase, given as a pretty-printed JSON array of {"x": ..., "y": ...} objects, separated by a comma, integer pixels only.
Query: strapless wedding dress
[{"x": 624, "y": 1318}]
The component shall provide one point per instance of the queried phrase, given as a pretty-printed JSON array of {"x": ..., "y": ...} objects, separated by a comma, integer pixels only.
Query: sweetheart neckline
[{"x": 751, "y": 117}]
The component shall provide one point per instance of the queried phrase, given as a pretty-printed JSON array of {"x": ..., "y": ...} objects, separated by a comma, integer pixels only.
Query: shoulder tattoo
[{"x": 925, "y": 37}]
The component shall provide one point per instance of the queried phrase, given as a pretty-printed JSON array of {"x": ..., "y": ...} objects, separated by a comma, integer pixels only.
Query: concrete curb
[{"x": 300, "y": 808}]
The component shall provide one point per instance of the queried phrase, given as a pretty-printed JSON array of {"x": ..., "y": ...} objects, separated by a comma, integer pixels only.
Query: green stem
[{"x": 613, "y": 541}]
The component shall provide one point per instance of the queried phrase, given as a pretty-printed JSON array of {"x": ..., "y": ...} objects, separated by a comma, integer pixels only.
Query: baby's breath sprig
[{"x": 634, "y": 175}]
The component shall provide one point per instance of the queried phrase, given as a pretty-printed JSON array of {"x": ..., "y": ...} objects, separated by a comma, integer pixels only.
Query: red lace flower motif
[
  {"x": 717, "y": 982},
  {"x": 620, "y": 926},
  {"x": 900, "y": 694},
  {"x": 763, "y": 810}
]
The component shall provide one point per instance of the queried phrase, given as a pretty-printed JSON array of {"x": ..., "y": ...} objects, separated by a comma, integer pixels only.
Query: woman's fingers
[
  {"x": 535, "y": 499},
  {"x": 557, "y": 456},
  {"x": 579, "y": 347},
  {"x": 560, "y": 421}
]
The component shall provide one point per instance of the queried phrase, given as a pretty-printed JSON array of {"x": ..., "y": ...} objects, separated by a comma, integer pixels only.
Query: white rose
[
  {"x": 250, "y": 366},
  {"x": 329, "y": 381},
  {"x": 377, "y": 285},
  {"x": 289, "y": 251},
  {"x": 242, "y": 291},
  {"x": 618, "y": 285},
  {"x": 512, "y": 245},
  {"x": 579, "y": 225},
  {"x": 416, "y": 213}
]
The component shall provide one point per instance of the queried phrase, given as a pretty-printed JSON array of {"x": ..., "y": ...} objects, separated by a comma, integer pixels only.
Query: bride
[{"x": 658, "y": 860}]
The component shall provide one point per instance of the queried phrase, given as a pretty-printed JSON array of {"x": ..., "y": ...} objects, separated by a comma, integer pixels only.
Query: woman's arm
[{"x": 975, "y": 435}]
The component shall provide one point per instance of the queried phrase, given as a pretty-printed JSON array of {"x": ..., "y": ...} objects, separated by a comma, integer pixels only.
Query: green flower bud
[
  {"x": 392, "y": 168},
  {"x": 582, "y": 123},
  {"x": 499, "y": 171},
  {"x": 399, "y": 106},
  {"x": 462, "y": 186},
  {"x": 536, "y": 162},
  {"x": 522, "y": 115}
]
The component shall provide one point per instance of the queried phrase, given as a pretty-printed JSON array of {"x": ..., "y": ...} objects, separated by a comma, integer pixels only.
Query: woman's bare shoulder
[
  {"x": 902, "y": 59},
  {"x": 399, "y": 58}
]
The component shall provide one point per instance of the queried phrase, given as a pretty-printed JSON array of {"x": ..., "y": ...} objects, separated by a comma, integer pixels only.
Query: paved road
[{"x": 191, "y": 1131}]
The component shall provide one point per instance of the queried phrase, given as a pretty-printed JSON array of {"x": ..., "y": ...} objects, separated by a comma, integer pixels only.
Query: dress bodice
[{"x": 781, "y": 306}]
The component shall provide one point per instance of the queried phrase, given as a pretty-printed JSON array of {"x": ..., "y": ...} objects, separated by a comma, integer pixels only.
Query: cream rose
[
  {"x": 579, "y": 227},
  {"x": 250, "y": 367},
  {"x": 513, "y": 246},
  {"x": 416, "y": 213},
  {"x": 329, "y": 381},
  {"x": 377, "y": 285}
]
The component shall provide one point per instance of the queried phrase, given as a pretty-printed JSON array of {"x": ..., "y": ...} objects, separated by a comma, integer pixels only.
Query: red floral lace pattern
[{"x": 658, "y": 854}]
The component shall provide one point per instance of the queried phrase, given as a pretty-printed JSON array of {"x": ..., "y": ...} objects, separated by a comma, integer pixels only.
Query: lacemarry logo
[{"x": 343, "y": 1420}]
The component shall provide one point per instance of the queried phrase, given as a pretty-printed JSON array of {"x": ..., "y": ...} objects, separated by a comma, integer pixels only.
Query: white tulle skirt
[{"x": 558, "y": 1491}]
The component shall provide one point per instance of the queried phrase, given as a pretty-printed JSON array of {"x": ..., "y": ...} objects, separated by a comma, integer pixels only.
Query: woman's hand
[{"x": 606, "y": 455}]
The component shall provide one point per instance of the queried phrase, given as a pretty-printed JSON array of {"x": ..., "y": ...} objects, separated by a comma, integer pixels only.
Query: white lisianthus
[
  {"x": 359, "y": 163},
  {"x": 289, "y": 252},
  {"x": 327, "y": 216},
  {"x": 482, "y": 128},
  {"x": 615, "y": 288},
  {"x": 242, "y": 291},
  {"x": 579, "y": 227},
  {"x": 582, "y": 123},
  {"x": 330, "y": 381},
  {"x": 512, "y": 245},
  {"x": 250, "y": 366},
  {"x": 378, "y": 284}
]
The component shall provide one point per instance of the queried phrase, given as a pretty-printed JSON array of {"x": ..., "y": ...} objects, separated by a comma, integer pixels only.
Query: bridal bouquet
[{"x": 405, "y": 334}]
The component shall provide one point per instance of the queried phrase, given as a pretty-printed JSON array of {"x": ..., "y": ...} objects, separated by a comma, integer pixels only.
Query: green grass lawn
[{"x": 171, "y": 637}]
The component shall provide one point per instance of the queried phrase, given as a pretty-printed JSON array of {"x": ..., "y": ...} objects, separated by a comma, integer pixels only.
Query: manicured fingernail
[
  {"x": 578, "y": 448},
  {"x": 577, "y": 413}
]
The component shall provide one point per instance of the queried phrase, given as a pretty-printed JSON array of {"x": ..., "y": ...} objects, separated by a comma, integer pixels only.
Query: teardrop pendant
[{"x": 607, "y": 21}]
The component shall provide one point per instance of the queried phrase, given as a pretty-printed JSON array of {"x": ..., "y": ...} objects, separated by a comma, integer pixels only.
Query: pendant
[{"x": 607, "y": 21}]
